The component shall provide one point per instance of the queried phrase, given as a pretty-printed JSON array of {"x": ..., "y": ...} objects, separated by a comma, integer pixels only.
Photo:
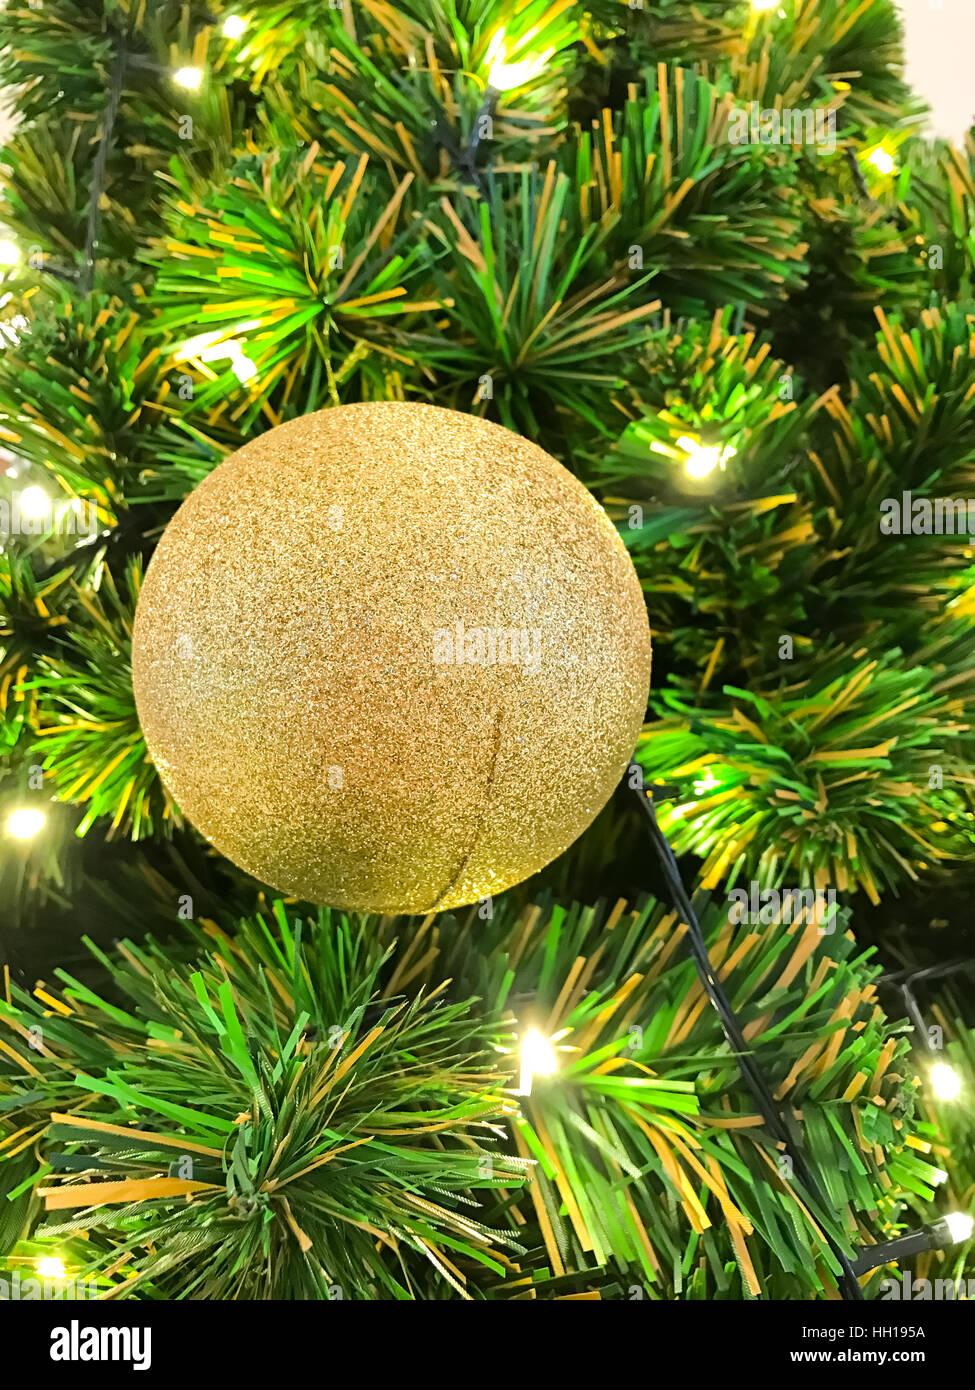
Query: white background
[{"x": 941, "y": 60}]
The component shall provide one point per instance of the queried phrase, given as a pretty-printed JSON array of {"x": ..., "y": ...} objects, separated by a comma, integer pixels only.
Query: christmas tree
[{"x": 705, "y": 256}]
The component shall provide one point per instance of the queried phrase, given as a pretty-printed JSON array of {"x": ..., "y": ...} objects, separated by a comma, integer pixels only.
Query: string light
[
  {"x": 750, "y": 1071},
  {"x": 242, "y": 367},
  {"x": 188, "y": 77},
  {"x": 537, "y": 1059},
  {"x": 214, "y": 347},
  {"x": 945, "y": 1081},
  {"x": 51, "y": 1267},
  {"x": 34, "y": 502},
  {"x": 25, "y": 822},
  {"x": 234, "y": 26},
  {"x": 194, "y": 347},
  {"x": 240, "y": 364},
  {"x": 10, "y": 331},
  {"x": 703, "y": 459},
  {"x": 504, "y": 76},
  {"x": 959, "y": 1225},
  {"x": 950, "y": 1229},
  {"x": 881, "y": 160}
]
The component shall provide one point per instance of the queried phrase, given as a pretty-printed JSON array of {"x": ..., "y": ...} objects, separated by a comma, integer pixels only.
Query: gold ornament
[{"x": 391, "y": 658}]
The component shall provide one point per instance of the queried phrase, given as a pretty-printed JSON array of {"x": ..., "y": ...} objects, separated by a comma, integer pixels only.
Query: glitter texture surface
[{"x": 309, "y": 698}]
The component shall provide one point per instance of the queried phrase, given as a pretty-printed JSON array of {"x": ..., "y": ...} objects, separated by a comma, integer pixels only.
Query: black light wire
[
  {"x": 928, "y": 972},
  {"x": 903, "y": 981},
  {"x": 732, "y": 1030},
  {"x": 116, "y": 81}
]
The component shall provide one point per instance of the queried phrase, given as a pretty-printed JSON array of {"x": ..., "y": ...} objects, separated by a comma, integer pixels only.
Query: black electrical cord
[
  {"x": 916, "y": 1017},
  {"x": 903, "y": 981},
  {"x": 732, "y": 1031},
  {"x": 927, "y": 972},
  {"x": 935, "y": 1236},
  {"x": 463, "y": 160},
  {"x": 116, "y": 81}
]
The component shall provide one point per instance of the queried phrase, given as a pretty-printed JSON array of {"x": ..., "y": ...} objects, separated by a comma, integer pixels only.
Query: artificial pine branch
[{"x": 308, "y": 1044}]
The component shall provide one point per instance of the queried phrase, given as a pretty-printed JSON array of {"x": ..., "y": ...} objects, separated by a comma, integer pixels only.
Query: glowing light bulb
[
  {"x": 234, "y": 26},
  {"x": 10, "y": 333},
  {"x": 206, "y": 350},
  {"x": 51, "y": 1267},
  {"x": 243, "y": 368},
  {"x": 945, "y": 1081},
  {"x": 537, "y": 1059},
  {"x": 195, "y": 347},
  {"x": 25, "y": 822},
  {"x": 34, "y": 502},
  {"x": 9, "y": 253},
  {"x": 188, "y": 77},
  {"x": 959, "y": 1225},
  {"x": 504, "y": 76},
  {"x": 702, "y": 459},
  {"x": 881, "y": 160}
]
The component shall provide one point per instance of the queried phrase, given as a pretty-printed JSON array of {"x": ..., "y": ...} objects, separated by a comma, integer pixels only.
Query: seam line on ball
[{"x": 479, "y": 828}]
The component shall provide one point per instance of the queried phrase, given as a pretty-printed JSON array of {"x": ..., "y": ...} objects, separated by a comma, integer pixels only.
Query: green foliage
[
  {"x": 288, "y": 267},
  {"x": 832, "y": 41},
  {"x": 74, "y": 48},
  {"x": 64, "y": 52},
  {"x": 950, "y": 1129},
  {"x": 687, "y": 200},
  {"x": 861, "y": 258},
  {"x": 43, "y": 200},
  {"x": 328, "y": 1105},
  {"x": 396, "y": 75},
  {"x": 913, "y": 396},
  {"x": 65, "y": 59},
  {"x": 722, "y": 557},
  {"x": 907, "y": 425},
  {"x": 846, "y": 771},
  {"x": 941, "y": 181},
  {"x": 671, "y": 29},
  {"x": 529, "y": 330},
  {"x": 85, "y": 402},
  {"x": 88, "y": 735},
  {"x": 344, "y": 209},
  {"x": 323, "y": 1138}
]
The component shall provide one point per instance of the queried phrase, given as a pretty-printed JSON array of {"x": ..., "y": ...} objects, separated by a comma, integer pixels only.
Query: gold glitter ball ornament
[{"x": 391, "y": 657}]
